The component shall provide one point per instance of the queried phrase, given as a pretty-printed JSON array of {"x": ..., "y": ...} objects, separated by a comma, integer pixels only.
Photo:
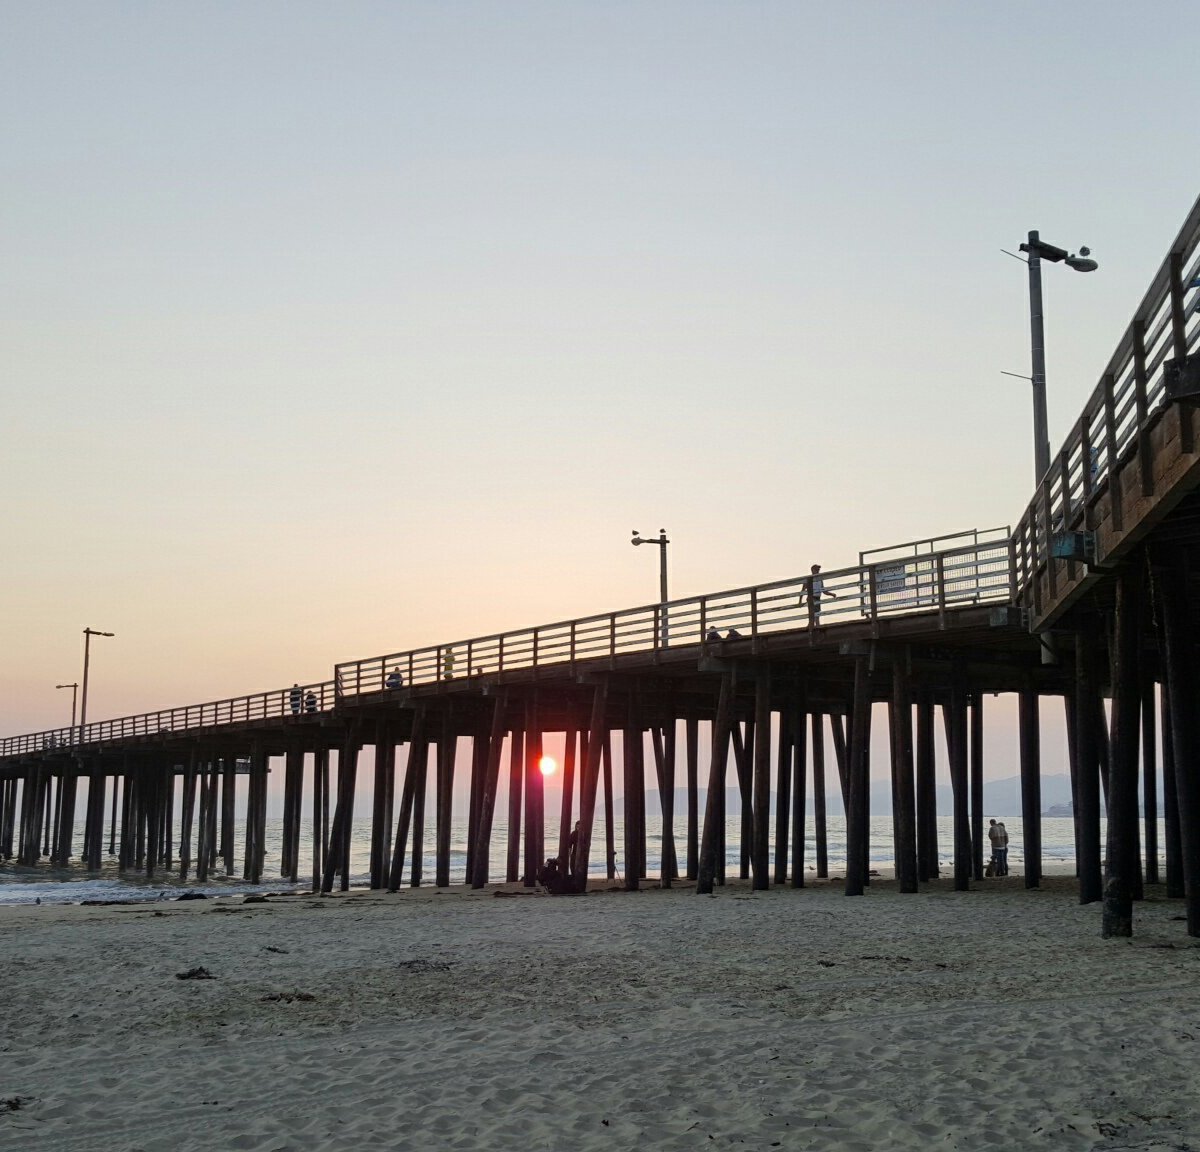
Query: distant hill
[{"x": 1001, "y": 798}]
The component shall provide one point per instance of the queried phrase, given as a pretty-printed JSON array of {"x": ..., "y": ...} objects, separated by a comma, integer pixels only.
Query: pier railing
[
  {"x": 929, "y": 582},
  {"x": 1114, "y": 421},
  {"x": 292, "y": 701}
]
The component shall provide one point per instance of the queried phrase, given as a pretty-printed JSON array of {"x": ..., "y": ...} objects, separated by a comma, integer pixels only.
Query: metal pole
[
  {"x": 88, "y": 633},
  {"x": 87, "y": 648},
  {"x": 1041, "y": 434},
  {"x": 662, "y": 582}
]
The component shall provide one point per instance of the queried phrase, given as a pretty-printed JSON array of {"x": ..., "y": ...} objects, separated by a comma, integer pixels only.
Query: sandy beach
[{"x": 995, "y": 1019}]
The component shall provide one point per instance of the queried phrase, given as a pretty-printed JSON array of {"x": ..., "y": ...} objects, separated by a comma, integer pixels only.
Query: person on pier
[
  {"x": 294, "y": 698},
  {"x": 394, "y": 679},
  {"x": 310, "y": 702},
  {"x": 817, "y": 590}
]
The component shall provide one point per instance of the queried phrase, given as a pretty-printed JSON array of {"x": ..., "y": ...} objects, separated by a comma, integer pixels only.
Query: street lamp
[
  {"x": 88, "y": 633},
  {"x": 1038, "y": 251},
  {"x": 74, "y": 694},
  {"x": 662, "y": 543}
]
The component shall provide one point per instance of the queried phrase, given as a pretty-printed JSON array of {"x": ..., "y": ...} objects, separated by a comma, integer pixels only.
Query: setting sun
[{"x": 548, "y": 765}]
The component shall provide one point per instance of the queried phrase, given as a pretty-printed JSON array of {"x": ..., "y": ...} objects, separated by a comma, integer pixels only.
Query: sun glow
[{"x": 548, "y": 765}]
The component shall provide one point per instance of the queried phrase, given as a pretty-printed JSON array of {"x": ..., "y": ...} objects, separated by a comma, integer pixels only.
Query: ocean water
[{"x": 72, "y": 884}]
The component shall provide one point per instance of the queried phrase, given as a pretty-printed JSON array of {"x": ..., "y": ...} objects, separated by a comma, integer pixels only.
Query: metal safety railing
[
  {"x": 298, "y": 700},
  {"x": 956, "y": 577},
  {"x": 1165, "y": 326}
]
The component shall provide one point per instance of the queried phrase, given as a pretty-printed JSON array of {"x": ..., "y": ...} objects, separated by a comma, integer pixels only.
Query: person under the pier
[
  {"x": 994, "y": 840},
  {"x": 1002, "y": 850}
]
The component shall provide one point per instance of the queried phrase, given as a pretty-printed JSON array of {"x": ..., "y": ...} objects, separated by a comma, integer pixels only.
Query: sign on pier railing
[{"x": 976, "y": 573}]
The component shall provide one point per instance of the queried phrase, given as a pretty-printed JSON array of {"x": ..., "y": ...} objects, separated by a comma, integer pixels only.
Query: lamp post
[
  {"x": 74, "y": 695},
  {"x": 1038, "y": 251},
  {"x": 88, "y": 633},
  {"x": 662, "y": 543}
]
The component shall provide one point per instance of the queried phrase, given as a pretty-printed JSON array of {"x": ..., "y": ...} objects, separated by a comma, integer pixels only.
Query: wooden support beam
[
  {"x": 797, "y": 746},
  {"x": 1172, "y": 846},
  {"x": 692, "y": 739},
  {"x": 567, "y": 806},
  {"x": 1087, "y": 717},
  {"x": 535, "y": 849},
  {"x": 820, "y": 829},
  {"x": 976, "y": 724},
  {"x": 783, "y": 793},
  {"x": 487, "y": 797},
  {"x": 516, "y": 781},
  {"x": 956, "y": 740},
  {"x": 589, "y": 784},
  {"x": 714, "y": 808},
  {"x": 1122, "y": 855},
  {"x": 927, "y": 838},
  {"x": 446, "y": 749},
  {"x": 1030, "y": 741},
  {"x": 903, "y": 774},
  {"x": 1170, "y": 578},
  {"x": 761, "y": 858},
  {"x": 1150, "y": 776},
  {"x": 860, "y": 733},
  {"x": 412, "y": 768}
]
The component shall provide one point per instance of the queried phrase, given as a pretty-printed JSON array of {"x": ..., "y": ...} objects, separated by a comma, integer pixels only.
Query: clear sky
[{"x": 330, "y": 330}]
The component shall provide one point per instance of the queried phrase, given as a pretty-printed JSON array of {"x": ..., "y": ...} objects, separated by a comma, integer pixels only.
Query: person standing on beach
[{"x": 1002, "y": 850}]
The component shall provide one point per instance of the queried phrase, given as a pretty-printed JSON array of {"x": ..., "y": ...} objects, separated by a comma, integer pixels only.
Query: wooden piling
[
  {"x": 589, "y": 780},
  {"x": 903, "y": 774},
  {"x": 714, "y": 808},
  {"x": 820, "y": 828},
  {"x": 783, "y": 795},
  {"x": 416, "y": 745},
  {"x": 860, "y": 733},
  {"x": 1170, "y": 581},
  {"x": 762, "y": 777},
  {"x": 481, "y": 854},
  {"x": 798, "y": 754},
  {"x": 1172, "y": 846},
  {"x": 976, "y": 724},
  {"x": 1087, "y": 713},
  {"x": 516, "y": 775},
  {"x": 446, "y": 749},
  {"x": 535, "y": 847},
  {"x": 956, "y": 739},
  {"x": 1030, "y": 742},
  {"x": 1150, "y": 776},
  {"x": 692, "y": 742},
  {"x": 1122, "y": 854}
]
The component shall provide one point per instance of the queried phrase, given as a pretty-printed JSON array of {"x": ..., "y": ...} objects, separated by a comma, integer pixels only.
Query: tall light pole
[
  {"x": 74, "y": 695},
  {"x": 1038, "y": 251},
  {"x": 88, "y": 633},
  {"x": 662, "y": 543}
]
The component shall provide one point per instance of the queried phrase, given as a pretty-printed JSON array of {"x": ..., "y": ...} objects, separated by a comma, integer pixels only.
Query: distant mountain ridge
[{"x": 1001, "y": 798}]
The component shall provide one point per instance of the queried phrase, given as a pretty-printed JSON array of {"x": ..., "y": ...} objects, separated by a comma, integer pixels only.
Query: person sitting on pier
[
  {"x": 310, "y": 702},
  {"x": 713, "y": 636},
  {"x": 733, "y": 634},
  {"x": 394, "y": 679}
]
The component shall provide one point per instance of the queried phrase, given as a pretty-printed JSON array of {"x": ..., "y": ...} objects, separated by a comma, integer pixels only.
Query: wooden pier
[{"x": 1090, "y": 599}]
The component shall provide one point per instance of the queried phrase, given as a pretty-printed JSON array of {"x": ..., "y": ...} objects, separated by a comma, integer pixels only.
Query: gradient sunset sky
[{"x": 332, "y": 330}]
